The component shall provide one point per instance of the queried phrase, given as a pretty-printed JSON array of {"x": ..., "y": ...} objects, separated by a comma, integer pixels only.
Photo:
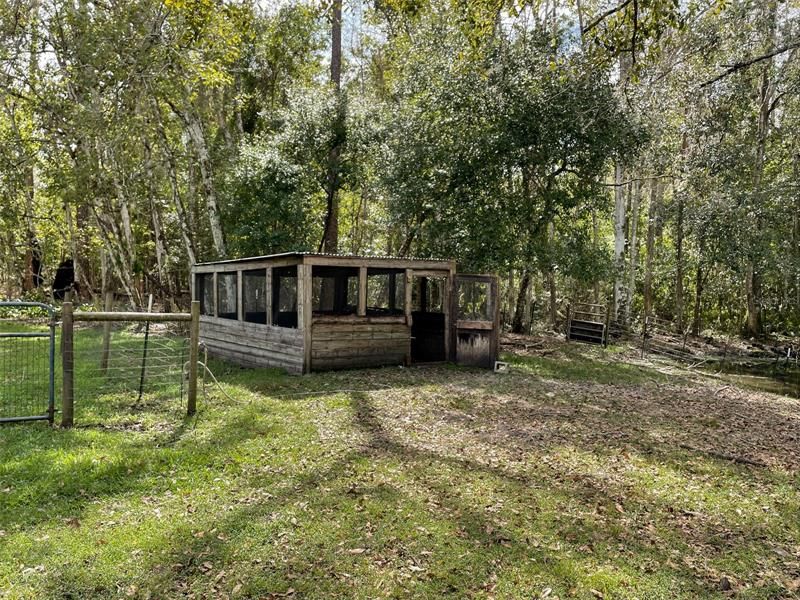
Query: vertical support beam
[
  {"x": 362, "y": 292},
  {"x": 194, "y": 357},
  {"x": 304, "y": 312},
  {"x": 215, "y": 294},
  {"x": 239, "y": 299},
  {"x": 51, "y": 383},
  {"x": 268, "y": 298},
  {"x": 407, "y": 277},
  {"x": 495, "y": 291},
  {"x": 67, "y": 366},
  {"x": 450, "y": 306},
  {"x": 108, "y": 307}
]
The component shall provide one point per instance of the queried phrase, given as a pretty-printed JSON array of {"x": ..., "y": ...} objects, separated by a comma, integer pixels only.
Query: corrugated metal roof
[{"x": 301, "y": 254}]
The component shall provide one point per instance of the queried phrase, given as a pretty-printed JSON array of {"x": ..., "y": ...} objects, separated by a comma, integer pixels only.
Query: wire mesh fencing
[
  {"x": 131, "y": 363},
  {"x": 27, "y": 357},
  {"x": 116, "y": 362}
]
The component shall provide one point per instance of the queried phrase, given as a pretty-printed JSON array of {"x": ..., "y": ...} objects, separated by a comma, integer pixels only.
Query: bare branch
[
  {"x": 605, "y": 15},
  {"x": 751, "y": 61}
]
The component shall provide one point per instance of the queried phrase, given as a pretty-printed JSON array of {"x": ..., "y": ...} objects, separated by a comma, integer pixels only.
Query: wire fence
[
  {"x": 116, "y": 361},
  {"x": 659, "y": 337},
  {"x": 27, "y": 357},
  {"x": 131, "y": 363}
]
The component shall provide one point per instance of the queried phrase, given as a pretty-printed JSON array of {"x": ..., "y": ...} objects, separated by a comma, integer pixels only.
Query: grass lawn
[{"x": 576, "y": 474}]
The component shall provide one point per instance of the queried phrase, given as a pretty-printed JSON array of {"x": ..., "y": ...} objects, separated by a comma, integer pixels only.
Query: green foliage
[
  {"x": 269, "y": 203},
  {"x": 485, "y": 150}
]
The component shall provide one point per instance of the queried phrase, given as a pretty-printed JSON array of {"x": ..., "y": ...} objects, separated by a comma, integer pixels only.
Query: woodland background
[{"x": 641, "y": 152}]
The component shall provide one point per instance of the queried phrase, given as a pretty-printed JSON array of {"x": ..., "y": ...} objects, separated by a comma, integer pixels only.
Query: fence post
[
  {"x": 67, "y": 365},
  {"x": 108, "y": 307},
  {"x": 194, "y": 343},
  {"x": 644, "y": 335}
]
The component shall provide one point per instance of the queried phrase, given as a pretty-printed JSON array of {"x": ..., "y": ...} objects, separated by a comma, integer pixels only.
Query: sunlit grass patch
[{"x": 559, "y": 478}]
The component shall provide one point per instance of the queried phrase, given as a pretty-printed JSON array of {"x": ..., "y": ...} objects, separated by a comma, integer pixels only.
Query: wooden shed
[{"x": 310, "y": 312}]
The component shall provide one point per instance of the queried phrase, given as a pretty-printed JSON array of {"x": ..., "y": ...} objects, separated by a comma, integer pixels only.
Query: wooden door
[{"x": 476, "y": 319}]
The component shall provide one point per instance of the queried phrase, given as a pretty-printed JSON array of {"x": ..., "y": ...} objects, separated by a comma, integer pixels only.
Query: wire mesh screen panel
[
  {"x": 27, "y": 358},
  {"x": 119, "y": 365}
]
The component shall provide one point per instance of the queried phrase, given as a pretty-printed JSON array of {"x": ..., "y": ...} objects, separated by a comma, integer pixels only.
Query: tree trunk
[
  {"x": 194, "y": 129},
  {"x": 184, "y": 221},
  {"x": 765, "y": 108},
  {"x": 518, "y": 323},
  {"x": 596, "y": 246},
  {"x": 653, "y": 216},
  {"x": 698, "y": 293},
  {"x": 679, "y": 263},
  {"x": 204, "y": 164},
  {"x": 551, "y": 276},
  {"x": 633, "y": 246},
  {"x": 619, "y": 241},
  {"x": 330, "y": 235}
]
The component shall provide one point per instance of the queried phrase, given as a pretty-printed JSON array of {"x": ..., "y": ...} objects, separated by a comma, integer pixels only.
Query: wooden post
[
  {"x": 407, "y": 282},
  {"x": 194, "y": 343},
  {"x": 644, "y": 335},
  {"x": 67, "y": 366},
  {"x": 268, "y": 296},
  {"x": 304, "y": 284},
  {"x": 215, "y": 294},
  {"x": 108, "y": 307},
  {"x": 239, "y": 298},
  {"x": 362, "y": 291},
  {"x": 569, "y": 321}
]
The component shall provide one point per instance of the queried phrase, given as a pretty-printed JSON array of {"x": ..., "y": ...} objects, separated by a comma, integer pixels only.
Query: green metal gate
[{"x": 27, "y": 361}]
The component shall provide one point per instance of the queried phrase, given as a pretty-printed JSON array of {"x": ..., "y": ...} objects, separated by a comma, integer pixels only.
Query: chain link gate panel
[{"x": 27, "y": 361}]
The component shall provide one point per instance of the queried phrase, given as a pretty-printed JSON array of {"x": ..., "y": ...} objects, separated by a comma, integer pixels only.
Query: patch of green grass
[
  {"x": 415, "y": 483},
  {"x": 584, "y": 364}
]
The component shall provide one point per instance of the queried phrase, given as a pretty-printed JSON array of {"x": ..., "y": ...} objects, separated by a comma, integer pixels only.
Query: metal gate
[{"x": 27, "y": 361}]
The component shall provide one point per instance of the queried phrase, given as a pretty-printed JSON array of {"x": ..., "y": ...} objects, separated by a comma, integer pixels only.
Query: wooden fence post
[
  {"x": 67, "y": 365},
  {"x": 109, "y": 306},
  {"x": 194, "y": 343},
  {"x": 644, "y": 335}
]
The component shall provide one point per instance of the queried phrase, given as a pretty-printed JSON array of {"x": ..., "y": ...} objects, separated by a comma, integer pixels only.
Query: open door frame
[{"x": 475, "y": 342}]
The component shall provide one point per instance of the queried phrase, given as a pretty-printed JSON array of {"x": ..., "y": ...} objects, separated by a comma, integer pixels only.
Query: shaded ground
[{"x": 579, "y": 473}]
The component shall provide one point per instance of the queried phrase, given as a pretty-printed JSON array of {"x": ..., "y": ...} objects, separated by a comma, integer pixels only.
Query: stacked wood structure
[
  {"x": 588, "y": 323},
  {"x": 308, "y": 311}
]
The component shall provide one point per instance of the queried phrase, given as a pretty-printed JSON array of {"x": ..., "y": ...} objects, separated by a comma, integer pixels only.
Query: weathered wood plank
[
  {"x": 246, "y": 265},
  {"x": 247, "y": 361},
  {"x": 357, "y": 362},
  {"x": 386, "y": 263},
  {"x": 283, "y": 355},
  {"x": 264, "y": 349},
  {"x": 355, "y": 320},
  {"x": 484, "y": 325}
]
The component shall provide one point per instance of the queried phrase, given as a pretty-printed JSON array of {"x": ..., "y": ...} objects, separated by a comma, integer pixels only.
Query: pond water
[{"x": 764, "y": 377}]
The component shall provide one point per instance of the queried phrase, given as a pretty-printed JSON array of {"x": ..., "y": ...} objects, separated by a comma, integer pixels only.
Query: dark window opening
[
  {"x": 334, "y": 290},
  {"x": 254, "y": 296},
  {"x": 284, "y": 297},
  {"x": 386, "y": 292},
  {"x": 473, "y": 301},
  {"x": 204, "y": 292},
  {"x": 226, "y": 296},
  {"x": 427, "y": 294}
]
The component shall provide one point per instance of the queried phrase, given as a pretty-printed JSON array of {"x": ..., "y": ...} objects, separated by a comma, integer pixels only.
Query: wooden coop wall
[
  {"x": 253, "y": 344},
  {"x": 319, "y": 341},
  {"x": 359, "y": 344}
]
